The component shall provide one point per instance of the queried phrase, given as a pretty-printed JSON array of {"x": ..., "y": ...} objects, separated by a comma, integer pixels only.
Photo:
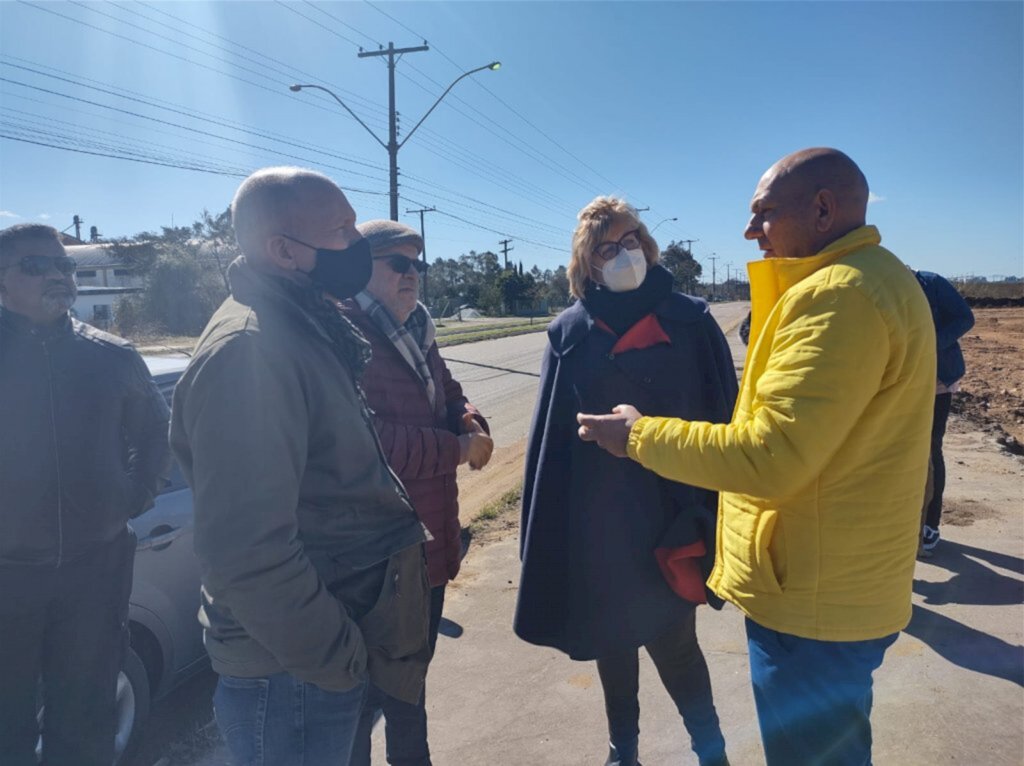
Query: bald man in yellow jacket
[{"x": 821, "y": 469}]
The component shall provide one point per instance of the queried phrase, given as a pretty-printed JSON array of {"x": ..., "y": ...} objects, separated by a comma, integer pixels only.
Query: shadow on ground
[{"x": 975, "y": 581}]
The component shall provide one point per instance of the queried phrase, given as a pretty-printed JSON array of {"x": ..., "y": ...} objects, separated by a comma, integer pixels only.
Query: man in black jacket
[{"x": 83, "y": 444}]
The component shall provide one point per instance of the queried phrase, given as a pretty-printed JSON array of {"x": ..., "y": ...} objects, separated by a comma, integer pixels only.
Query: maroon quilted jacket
[{"x": 419, "y": 438}]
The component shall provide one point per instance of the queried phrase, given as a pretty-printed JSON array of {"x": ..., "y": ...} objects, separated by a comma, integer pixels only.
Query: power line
[
  {"x": 291, "y": 73},
  {"x": 120, "y": 157},
  {"x": 314, "y": 21},
  {"x": 503, "y": 213},
  {"x": 221, "y": 123},
  {"x": 191, "y": 114},
  {"x": 149, "y": 161},
  {"x": 343, "y": 23},
  {"x": 498, "y": 98},
  {"x": 279, "y": 92},
  {"x": 183, "y": 127},
  {"x": 526, "y": 149},
  {"x": 496, "y": 231}
]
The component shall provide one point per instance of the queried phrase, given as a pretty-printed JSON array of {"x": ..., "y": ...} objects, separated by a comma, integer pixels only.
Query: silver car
[{"x": 166, "y": 638}]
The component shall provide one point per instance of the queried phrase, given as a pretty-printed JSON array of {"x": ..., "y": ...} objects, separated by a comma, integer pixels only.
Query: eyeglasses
[
  {"x": 629, "y": 241},
  {"x": 39, "y": 265},
  {"x": 401, "y": 265}
]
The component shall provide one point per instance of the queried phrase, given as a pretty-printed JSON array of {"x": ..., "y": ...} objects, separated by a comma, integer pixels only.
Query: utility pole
[
  {"x": 392, "y": 146},
  {"x": 423, "y": 236},
  {"x": 689, "y": 243},
  {"x": 505, "y": 249},
  {"x": 713, "y": 258}
]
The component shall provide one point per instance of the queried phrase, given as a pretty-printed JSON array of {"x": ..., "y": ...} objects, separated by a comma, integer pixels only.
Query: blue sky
[{"x": 676, "y": 106}]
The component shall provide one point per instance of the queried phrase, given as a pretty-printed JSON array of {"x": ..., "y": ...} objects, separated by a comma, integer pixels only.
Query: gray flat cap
[{"x": 384, "y": 234}]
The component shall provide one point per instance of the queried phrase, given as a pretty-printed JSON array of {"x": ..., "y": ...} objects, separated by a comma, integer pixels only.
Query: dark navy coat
[
  {"x": 590, "y": 584},
  {"x": 953, "y": 318}
]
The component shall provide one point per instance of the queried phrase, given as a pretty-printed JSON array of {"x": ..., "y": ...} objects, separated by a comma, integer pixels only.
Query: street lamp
[
  {"x": 659, "y": 223},
  {"x": 393, "y": 144}
]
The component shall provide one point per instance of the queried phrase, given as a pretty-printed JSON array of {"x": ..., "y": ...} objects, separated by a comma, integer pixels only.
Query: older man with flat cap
[
  {"x": 314, "y": 581},
  {"x": 428, "y": 429},
  {"x": 821, "y": 468}
]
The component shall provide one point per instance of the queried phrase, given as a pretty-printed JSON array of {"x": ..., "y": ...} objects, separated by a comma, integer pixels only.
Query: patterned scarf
[{"x": 412, "y": 339}]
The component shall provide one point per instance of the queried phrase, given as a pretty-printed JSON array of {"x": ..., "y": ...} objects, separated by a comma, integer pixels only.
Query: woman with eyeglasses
[
  {"x": 427, "y": 429},
  {"x": 613, "y": 556}
]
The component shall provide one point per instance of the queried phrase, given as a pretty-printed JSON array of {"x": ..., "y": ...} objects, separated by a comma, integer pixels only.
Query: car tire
[{"x": 132, "y": 706}]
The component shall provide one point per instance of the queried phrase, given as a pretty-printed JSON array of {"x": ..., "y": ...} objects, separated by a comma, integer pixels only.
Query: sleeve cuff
[{"x": 635, "y": 436}]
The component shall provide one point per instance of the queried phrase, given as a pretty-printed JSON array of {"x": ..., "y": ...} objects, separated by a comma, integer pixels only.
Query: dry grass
[{"x": 991, "y": 289}]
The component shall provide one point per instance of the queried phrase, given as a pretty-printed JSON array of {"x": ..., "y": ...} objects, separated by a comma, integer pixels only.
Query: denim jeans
[
  {"x": 684, "y": 673},
  {"x": 282, "y": 721},
  {"x": 813, "y": 698},
  {"x": 405, "y": 724}
]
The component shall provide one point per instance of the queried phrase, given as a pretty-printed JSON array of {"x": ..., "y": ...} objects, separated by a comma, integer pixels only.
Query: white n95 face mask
[{"x": 625, "y": 272}]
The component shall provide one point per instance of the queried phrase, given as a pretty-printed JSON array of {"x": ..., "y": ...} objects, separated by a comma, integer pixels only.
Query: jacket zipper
[{"x": 56, "y": 454}]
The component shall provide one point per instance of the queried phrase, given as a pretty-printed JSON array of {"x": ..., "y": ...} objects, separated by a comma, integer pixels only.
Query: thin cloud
[
  {"x": 873, "y": 198},
  {"x": 44, "y": 216},
  {"x": 8, "y": 214}
]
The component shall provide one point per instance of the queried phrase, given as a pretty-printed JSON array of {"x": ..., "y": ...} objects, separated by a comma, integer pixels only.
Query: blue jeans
[
  {"x": 282, "y": 721},
  {"x": 813, "y": 697}
]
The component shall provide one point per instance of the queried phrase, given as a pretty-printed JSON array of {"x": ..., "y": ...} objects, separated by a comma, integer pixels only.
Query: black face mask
[{"x": 342, "y": 273}]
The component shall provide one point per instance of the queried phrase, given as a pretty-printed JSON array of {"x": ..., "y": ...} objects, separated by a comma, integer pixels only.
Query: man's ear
[
  {"x": 825, "y": 209},
  {"x": 278, "y": 253}
]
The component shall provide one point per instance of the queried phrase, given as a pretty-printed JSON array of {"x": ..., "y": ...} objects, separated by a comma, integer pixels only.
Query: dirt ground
[{"x": 992, "y": 391}]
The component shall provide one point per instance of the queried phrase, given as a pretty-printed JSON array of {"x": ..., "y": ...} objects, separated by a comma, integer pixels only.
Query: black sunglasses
[
  {"x": 38, "y": 265},
  {"x": 400, "y": 264}
]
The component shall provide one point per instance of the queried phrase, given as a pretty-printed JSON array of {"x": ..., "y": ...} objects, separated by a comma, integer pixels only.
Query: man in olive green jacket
[{"x": 311, "y": 556}]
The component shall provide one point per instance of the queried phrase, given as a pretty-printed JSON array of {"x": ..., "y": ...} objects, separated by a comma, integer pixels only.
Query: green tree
[
  {"x": 683, "y": 266},
  {"x": 184, "y": 270}
]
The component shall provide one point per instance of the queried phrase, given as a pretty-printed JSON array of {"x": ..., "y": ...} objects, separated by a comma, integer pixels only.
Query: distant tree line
[{"x": 184, "y": 272}]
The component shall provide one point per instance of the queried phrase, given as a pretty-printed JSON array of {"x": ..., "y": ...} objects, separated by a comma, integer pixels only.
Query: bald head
[
  {"x": 292, "y": 201},
  {"x": 808, "y": 171},
  {"x": 806, "y": 201}
]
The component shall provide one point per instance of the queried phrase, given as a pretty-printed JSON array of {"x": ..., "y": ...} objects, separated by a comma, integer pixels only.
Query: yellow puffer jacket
[{"x": 822, "y": 469}]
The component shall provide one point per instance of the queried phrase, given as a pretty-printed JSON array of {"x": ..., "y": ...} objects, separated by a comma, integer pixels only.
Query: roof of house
[
  {"x": 97, "y": 256},
  {"x": 100, "y": 290}
]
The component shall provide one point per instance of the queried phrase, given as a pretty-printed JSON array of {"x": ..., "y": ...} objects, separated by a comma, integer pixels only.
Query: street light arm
[
  {"x": 659, "y": 223},
  {"x": 492, "y": 65},
  {"x": 331, "y": 93}
]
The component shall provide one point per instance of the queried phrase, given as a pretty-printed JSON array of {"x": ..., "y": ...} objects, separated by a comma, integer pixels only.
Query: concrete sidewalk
[{"x": 950, "y": 691}]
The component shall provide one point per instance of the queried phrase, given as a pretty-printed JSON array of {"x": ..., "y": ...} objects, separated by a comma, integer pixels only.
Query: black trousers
[
  {"x": 933, "y": 516},
  {"x": 684, "y": 673},
  {"x": 405, "y": 725},
  {"x": 65, "y": 625}
]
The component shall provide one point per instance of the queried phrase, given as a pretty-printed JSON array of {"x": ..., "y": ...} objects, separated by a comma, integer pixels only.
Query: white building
[{"x": 104, "y": 276}]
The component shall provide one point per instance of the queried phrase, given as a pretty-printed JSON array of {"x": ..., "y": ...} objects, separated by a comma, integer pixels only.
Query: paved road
[{"x": 501, "y": 376}]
